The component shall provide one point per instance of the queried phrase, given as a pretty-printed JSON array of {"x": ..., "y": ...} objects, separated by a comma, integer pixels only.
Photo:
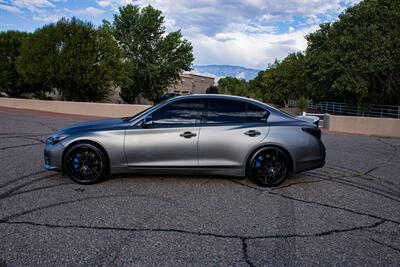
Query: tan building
[{"x": 191, "y": 83}]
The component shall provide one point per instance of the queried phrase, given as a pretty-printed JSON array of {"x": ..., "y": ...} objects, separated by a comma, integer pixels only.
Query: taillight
[{"x": 313, "y": 131}]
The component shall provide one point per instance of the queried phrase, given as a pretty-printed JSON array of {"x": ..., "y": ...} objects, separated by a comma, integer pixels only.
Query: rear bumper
[{"x": 314, "y": 161}]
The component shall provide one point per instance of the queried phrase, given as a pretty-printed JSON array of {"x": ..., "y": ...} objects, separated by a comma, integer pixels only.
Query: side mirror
[{"x": 147, "y": 121}]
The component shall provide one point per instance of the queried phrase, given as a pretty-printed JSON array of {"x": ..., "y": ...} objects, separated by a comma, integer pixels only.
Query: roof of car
[
  {"x": 249, "y": 99},
  {"x": 217, "y": 96}
]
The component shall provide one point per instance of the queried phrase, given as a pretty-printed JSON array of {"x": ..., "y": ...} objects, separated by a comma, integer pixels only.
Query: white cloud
[
  {"x": 89, "y": 11},
  {"x": 47, "y": 17},
  {"x": 9, "y": 8},
  {"x": 255, "y": 51},
  {"x": 33, "y": 5},
  {"x": 241, "y": 75},
  {"x": 114, "y": 4},
  {"x": 238, "y": 10},
  {"x": 104, "y": 3}
]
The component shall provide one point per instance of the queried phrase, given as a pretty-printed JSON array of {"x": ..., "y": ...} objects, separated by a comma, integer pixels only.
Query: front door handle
[
  {"x": 252, "y": 133},
  {"x": 188, "y": 134}
]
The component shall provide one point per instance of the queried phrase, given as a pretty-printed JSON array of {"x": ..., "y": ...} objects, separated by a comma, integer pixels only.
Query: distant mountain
[{"x": 221, "y": 71}]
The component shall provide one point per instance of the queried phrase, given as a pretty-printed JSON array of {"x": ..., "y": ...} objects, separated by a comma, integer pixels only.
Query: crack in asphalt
[
  {"x": 35, "y": 139},
  {"x": 12, "y": 216},
  {"x": 15, "y": 215},
  {"x": 243, "y": 238},
  {"x": 117, "y": 251},
  {"x": 31, "y": 119},
  {"x": 389, "y": 160},
  {"x": 37, "y": 189},
  {"x": 269, "y": 191},
  {"x": 297, "y": 183},
  {"x": 392, "y": 195},
  {"x": 20, "y": 135},
  {"x": 24, "y": 145},
  {"x": 390, "y": 192},
  {"x": 343, "y": 169},
  {"x": 354, "y": 173},
  {"x": 357, "y": 174},
  {"x": 47, "y": 126},
  {"x": 11, "y": 191},
  {"x": 371, "y": 170},
  {"x": 21, "y": 178},
  {"x": 245, "y": 252},
  {"x": 197, "y": 233},
  {"x": 18, "y": 214},
  {"x": 386, "y": 245}
]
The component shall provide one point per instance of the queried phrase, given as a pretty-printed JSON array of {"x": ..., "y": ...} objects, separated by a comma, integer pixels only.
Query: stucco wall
[
  {"x": 77, "y": 108},
  {"x": 363, "y": 125}
]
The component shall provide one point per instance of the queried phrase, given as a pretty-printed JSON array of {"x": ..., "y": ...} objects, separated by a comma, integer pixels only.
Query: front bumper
[{"x": 53, "y": 157}]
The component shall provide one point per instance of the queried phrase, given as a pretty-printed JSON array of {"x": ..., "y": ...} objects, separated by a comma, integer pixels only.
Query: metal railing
[{"x": 384, "y": 111}]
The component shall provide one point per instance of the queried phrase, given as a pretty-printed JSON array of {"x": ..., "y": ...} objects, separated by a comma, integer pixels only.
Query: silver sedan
[{"x": 191, "y": 135}]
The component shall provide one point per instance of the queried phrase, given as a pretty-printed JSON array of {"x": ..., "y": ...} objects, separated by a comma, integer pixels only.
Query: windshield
[{"x": 138, "y": 114}]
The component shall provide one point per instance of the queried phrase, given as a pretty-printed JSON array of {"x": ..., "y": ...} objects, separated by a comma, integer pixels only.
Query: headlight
[{"x": 54, "y": 139}]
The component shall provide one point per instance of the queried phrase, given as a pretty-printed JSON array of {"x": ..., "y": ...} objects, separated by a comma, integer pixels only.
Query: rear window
[
  {"x": 226, "y": 111},
  {"x": 256, "y": 114}
]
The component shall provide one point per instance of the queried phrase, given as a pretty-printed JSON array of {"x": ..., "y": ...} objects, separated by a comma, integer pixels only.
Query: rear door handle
[
  {"x": 252, "y": 133},
  {"x": 188, "y": 134}
]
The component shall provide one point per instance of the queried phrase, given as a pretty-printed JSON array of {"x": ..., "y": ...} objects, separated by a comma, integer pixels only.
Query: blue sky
[{"x": 249, "y": 33}]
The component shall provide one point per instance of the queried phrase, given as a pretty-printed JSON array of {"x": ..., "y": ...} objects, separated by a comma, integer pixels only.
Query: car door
[
  {"x": 170, "y": 140},
  {"x": 231, "y": 129}
]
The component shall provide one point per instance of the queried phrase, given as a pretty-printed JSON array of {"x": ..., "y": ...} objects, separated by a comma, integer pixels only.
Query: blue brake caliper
[
  {"x": 258, "y": 161},
  {"x": 77, "y": 160}
]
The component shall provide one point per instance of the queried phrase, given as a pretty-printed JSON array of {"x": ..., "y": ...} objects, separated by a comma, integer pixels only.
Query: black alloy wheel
[
  {"x": 85, "y": 163},
  {"x": 269, "y": 166}
]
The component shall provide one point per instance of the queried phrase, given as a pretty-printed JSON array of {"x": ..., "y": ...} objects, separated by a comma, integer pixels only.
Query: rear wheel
[
  {"x": 85, "y": 163},
  {"x": 269, "y": 166}
]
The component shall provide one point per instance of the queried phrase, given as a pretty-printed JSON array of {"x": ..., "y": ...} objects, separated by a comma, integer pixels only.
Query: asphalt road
[{"x": 346, "y": 213}]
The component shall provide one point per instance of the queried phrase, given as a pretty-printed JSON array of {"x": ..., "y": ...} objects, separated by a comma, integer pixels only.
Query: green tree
[
  {"x": 11, "y": 81},
  {"x": 256, "y": 88},
  {"x": 233, "y": 86},
  {"x": 156, "y": 58},
  {"x": 83, "y": 62},
  {"x": 357, "y": 58},
  {"x": 212, "y": 90},
  {"x": 284, "y": 80}
]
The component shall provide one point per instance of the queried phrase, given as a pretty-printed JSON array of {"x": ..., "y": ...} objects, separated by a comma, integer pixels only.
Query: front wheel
[
  {"x": 85, "y": 163},
  {"x": 268, "y": 167}
]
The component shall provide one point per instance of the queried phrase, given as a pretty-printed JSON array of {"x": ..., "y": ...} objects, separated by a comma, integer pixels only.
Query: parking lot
[{"x": 346, "y": 213}]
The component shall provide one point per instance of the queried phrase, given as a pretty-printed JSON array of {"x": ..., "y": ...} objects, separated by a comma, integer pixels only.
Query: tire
[
  {"x": 268, "y": 167},
  {"x": 85, "y": 163}
]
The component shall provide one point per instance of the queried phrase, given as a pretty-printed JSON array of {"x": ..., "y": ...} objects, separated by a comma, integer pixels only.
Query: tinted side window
[
  {"x": 225, "y": 111},
  {"x": 256, "y": 114},
  {"x": 177, "y": 113}
]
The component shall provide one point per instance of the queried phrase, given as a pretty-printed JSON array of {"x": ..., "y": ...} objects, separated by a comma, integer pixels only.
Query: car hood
[{"x": 97, "y": 125}]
